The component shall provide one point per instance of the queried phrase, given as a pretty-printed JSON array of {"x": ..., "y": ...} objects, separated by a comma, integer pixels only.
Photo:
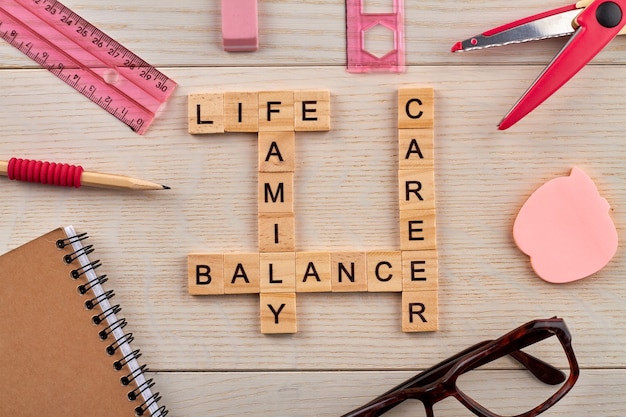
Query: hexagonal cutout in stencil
[{"x": 379, "y": 40}]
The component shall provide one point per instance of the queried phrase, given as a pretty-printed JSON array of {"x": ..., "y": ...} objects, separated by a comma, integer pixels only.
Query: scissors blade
[
  {"x": 550, "y": 24},
  {"x": 587, "y": 41}
]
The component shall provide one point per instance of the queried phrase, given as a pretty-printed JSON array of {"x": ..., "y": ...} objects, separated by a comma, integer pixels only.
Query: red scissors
[{"x": 591, "y": 25}]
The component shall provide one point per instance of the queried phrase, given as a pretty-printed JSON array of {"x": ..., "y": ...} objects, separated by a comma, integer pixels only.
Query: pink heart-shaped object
[{"x": 565, "y": 228}]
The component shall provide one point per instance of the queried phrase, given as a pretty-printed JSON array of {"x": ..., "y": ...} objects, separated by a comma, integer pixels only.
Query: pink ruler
[
  {"x": 87, "y": 59},
  {"x": 357, "y": 25}
]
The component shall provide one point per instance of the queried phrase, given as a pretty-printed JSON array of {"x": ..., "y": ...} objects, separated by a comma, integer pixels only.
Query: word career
[{"x": 277, "y": 272}]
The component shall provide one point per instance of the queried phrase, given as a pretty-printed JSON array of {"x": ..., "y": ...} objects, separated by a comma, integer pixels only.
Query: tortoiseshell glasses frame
[{"x": 440, "y": 381}]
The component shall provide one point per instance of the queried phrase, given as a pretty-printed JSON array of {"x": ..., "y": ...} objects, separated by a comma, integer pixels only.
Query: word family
[{"x": 278, "y": 272}]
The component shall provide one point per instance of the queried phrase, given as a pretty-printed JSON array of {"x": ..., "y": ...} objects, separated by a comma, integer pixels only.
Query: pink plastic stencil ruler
[
  {"x": 87, "y": 59},
  {"x": 357, "y": 26}
]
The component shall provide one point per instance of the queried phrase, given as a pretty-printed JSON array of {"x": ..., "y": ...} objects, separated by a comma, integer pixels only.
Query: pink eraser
[
  {"x": 240, "y": 27},
  {"x": 565, "y": 228}
]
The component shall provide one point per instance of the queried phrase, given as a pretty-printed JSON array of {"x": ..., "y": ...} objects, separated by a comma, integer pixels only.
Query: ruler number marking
[
  {"x": 83, "y": 69},
  {"x": 67, "y": 20}
]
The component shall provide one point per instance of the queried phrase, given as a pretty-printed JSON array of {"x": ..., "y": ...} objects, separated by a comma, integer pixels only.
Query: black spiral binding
[
  {"x": 126, "y": 380},
  {"x": 62, "y": 243},
  {"x": 82, "y": 289},
  {"x": 106, "y": 313},
  {"x": 119, "y": 323},
  {"x": 135, "y": 354},
  {"x": 71, "y": 257}
]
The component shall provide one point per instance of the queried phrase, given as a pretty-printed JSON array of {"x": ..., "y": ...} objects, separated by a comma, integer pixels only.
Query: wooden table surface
[{"x": 207, "y": 353}]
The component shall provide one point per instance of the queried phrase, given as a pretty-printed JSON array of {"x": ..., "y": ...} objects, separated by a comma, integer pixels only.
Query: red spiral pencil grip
[{"x": 42, "y": 172}]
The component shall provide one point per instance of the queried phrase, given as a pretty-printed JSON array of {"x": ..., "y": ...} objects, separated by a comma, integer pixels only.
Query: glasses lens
[{"x": 506, "y": 387}]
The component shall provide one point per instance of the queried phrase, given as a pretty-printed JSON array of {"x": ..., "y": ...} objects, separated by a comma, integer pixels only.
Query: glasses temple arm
[{"x": 543, "y": 371}]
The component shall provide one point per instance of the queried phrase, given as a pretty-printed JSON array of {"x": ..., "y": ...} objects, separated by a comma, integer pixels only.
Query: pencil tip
[{"x": 165, "y": 187}]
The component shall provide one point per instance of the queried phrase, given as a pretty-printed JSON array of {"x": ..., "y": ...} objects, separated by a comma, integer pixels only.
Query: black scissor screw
[{"x": 609, "y": 14}]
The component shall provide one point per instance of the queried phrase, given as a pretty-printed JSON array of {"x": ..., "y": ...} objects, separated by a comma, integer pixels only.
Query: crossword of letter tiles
[{"x": 277, "y": 272}]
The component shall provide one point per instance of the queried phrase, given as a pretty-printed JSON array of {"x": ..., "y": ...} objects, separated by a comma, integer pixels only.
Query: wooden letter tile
[
  {"x": 205, "y": 274},
  {"x": 278, "y": 272},
  {"x": 420, "y": 311},
  {"x": 277, "y": 151},
  {"x": 420, "y": 270},
  {"x": 418, "y": 230},
  {"x": 416, "y": 108},
  {"x": 348, "y": 271},
  {"x": 313, "y": 272},
  {"x": 275, "y": 192},
  {"x": 384, "y": 271},
  {"x": 241, "y": 112},
  {"x": 241, "y": 273},
  {"x": 277, "y": 232},
  {"x": 205, "y": 113},
  {"x": 312, "y": 110},
  {"x": 276, "y": 111},
  {"x": 416, "y": 189},
  {"x": 278, "y": 313},
  {"x": 416, "y": 148}
]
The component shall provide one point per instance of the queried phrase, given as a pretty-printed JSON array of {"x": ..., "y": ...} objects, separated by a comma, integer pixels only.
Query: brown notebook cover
[{"x": 54, "y": 359}]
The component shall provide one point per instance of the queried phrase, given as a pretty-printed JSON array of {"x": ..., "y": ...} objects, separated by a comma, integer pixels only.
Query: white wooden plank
[{"x": 322, "y": 394}]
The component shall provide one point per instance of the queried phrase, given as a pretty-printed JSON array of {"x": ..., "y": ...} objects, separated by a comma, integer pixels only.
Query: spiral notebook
[{"x": 64, "y": 349}]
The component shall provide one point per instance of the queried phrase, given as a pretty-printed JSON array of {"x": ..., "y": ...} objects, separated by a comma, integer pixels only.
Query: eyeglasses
[{"x": 547, "y": 339}]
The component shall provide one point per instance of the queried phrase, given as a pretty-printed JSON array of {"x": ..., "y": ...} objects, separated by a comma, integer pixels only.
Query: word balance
[{"x": 278, "y": 272}]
